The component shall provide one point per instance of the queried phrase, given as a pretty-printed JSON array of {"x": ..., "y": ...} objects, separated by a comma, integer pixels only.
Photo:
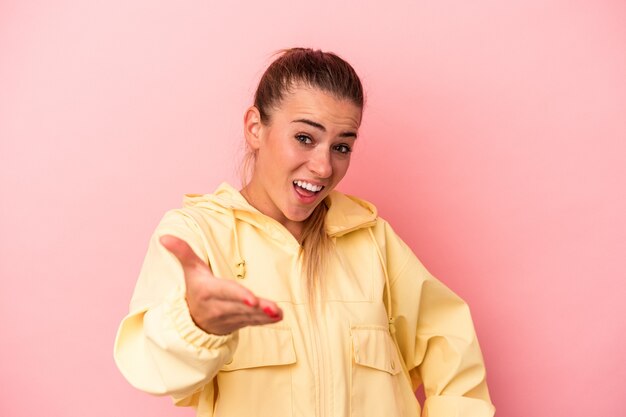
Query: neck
[{"x": 294, "y": 227}]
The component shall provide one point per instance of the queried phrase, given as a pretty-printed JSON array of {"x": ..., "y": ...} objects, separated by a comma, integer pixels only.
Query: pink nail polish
[
  {"x": 269, "y": 311},
  {"x": 247, "y": 302}
]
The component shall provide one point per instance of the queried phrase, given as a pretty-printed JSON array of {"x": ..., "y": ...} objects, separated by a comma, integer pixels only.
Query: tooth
[{"x": 308, "y": 186}]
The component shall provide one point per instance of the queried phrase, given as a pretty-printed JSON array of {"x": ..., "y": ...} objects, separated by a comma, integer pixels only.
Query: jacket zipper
[
  {"x": 318, "y": 367},
  {"x": 327, "y": 382}
]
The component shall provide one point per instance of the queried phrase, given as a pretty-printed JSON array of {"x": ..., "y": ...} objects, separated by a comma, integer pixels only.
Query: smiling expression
[{"x": 301, "y": 154}]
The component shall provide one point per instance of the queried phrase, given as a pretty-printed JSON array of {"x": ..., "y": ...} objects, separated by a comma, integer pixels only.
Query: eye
[
  {"x": 343, "y": 148},
  {"x": 304, "y": 139}
]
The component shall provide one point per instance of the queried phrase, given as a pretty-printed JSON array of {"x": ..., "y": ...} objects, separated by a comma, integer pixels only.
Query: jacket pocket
[
  {"x": 258, "y": 381},
  {"x": 376, "y": 374}
]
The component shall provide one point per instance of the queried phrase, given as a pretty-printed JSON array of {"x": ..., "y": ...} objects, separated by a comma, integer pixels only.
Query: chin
[{"x": 300, "y": 215}]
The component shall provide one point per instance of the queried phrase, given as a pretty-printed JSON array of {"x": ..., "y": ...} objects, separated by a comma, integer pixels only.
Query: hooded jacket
[{"x": 383, "y": 326}]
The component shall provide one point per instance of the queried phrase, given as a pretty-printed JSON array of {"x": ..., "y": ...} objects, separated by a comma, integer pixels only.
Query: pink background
[{"x": 494, "y": 141}]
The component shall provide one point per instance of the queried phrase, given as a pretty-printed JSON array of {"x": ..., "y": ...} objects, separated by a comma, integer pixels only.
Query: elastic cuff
[
  {"x": 446, "y": 405},
  {"x": 192, "y": 334}
]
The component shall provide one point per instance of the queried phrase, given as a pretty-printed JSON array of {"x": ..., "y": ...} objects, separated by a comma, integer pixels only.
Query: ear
[{"x": 252, "y": 127}]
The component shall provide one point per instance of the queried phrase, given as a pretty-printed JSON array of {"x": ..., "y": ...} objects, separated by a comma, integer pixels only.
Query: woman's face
[{"x": 301, "y": 154}]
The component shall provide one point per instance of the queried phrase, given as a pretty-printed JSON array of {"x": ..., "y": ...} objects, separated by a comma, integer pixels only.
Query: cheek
[
  {"x": 279, "y": 162},
  {"x": 272, "y": 155},
  {"x": 340, "y": 168},
  {"x": 292, "y": 158}
]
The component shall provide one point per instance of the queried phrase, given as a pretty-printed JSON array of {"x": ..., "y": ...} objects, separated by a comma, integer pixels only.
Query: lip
[
  {"x": 316, "y": 183},
  {"x": 305, "y": 199}
]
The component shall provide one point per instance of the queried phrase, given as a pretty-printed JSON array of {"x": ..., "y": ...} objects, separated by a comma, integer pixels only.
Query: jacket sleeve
[
  {"x": 158, "y": 347},
  {"x": 436, "y": 337}
]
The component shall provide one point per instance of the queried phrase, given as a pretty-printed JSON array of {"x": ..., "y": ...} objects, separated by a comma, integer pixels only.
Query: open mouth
[{"x": 307, "y": 189}]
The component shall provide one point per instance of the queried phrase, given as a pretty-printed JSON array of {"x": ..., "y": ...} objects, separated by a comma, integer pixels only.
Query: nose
[{"x": 320, "y": 164}]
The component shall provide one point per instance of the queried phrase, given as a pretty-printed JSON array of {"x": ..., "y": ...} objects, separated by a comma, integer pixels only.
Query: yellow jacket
[{"x": 351, "y": 360}]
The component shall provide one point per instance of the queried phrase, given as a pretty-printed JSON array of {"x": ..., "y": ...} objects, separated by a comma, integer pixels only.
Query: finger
[
  {"x": 251, "y": 301},
  {"x": 270, "y": 308},
  {"x": 182, "y": 251},
  {"x": 222, "y": 309},
  {"x": 238, "y": 321},
  {"x": 232, "y": 291},
  {"x": 226, "y": 309},
  {"x": 253, "y": 320},
  {"x": 226, "y": 316}
]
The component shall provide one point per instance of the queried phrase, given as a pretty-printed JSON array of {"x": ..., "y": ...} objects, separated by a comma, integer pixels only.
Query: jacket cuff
[
  {"x": 183, "y": 323},
  {"x": 447, "y": 405}
]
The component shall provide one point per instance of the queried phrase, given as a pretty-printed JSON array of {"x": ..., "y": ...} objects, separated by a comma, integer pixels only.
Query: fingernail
[
  {"x": 269, "y": 312},
  {"x": 248, "y": 302}
]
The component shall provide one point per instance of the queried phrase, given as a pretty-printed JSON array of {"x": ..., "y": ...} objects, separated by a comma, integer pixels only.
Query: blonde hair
[{"x": 329, "y": 73}]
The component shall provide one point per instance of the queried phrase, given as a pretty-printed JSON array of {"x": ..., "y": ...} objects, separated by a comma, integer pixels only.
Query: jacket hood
[{"x": 345, "y": 213}]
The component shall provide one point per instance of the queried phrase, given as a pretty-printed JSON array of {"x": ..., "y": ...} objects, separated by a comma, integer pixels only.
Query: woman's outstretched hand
[{"x": 218, "y": 306}]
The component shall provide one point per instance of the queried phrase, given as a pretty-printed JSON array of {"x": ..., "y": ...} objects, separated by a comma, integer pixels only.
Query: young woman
[{"x": 288, "y": 298}]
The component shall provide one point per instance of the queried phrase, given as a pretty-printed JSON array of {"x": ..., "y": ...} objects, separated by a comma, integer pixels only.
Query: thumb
[{"x": 182, "y": 251}]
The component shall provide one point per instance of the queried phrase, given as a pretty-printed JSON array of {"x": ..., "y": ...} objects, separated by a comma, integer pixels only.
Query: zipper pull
[
  {"x": 241, "y": 269},
  {"x": 392, "y": 327}
]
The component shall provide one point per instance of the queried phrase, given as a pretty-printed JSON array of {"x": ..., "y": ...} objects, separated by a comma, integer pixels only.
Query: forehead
[{"x": 320, "y": 106}]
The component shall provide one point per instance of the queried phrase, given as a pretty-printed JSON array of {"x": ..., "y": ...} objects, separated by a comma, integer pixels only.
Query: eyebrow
[{"x": 346, "y": 134}]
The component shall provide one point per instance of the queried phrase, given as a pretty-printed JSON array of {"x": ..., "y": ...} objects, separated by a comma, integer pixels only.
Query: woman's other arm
[{"x": 436, "y": 337}]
